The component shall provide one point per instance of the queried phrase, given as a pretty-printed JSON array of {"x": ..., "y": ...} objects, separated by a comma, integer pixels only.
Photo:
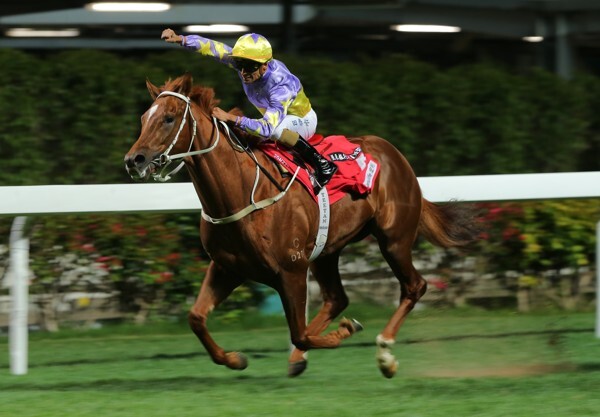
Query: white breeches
[{"x": 305, "y": 126}]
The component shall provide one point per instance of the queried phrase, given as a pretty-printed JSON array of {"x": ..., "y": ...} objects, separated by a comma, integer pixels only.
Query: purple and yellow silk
[{"x": 277, "y": 93}]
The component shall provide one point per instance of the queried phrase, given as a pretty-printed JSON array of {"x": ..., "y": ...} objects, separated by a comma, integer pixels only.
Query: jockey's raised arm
[
  {"x": 208, "y": 47},
  {"x": 287, "y": 115}
]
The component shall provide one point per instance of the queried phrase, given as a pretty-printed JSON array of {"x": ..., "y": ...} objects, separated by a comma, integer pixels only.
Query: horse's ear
[{"x": 152, "y": 89}]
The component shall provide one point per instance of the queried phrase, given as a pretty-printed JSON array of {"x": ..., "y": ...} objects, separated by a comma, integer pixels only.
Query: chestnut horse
[{"x": 270, "y": 243}]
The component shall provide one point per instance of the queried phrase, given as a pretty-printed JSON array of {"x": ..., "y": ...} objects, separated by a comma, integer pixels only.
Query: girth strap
[{"x": 323, "y": 231}]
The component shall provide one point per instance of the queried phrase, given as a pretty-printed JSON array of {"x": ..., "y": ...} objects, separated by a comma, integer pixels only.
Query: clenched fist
[{"x": 170, "y": 36}]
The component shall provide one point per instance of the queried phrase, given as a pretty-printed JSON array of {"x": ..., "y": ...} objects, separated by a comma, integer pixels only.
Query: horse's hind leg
[
  {"x": 326, "y": 273},
  {"x": 294, "y": 299},
  {"x": 398, "y": 254},
  {"x": 216, "y": 287}
]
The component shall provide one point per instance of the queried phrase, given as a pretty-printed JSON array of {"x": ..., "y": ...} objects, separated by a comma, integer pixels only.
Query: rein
[
  {"x": 245, "y": 148},
  {"x": 164, "y": 160}
]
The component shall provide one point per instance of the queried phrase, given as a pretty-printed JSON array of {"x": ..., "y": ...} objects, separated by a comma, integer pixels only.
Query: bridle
[{"x": 164, "y": 159}]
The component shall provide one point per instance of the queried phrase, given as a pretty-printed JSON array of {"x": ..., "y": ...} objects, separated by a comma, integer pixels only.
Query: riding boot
[{"x": 324, "y": 169}]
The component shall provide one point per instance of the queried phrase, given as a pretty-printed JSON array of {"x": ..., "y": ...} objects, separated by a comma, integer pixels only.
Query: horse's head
[{"x": 162, "y": 125}]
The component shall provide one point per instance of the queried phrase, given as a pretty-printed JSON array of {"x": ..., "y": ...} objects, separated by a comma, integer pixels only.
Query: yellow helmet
[{"x": 254, "y": 47}]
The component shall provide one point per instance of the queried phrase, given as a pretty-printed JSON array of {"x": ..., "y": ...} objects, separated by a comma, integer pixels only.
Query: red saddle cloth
[{"x": 356, "y": 172}]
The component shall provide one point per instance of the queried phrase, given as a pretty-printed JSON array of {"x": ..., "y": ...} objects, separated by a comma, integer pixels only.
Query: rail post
[
  {"x": 598, "y": 280},
  {"x": 18, "y": 272}
]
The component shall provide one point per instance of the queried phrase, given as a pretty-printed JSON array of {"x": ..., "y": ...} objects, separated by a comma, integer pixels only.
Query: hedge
[{"x": 69, "y": 117}]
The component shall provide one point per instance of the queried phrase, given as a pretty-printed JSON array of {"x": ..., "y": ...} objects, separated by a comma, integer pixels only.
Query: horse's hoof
[
  {"x": 236, "y": 360},
  {"x": 296, "y": 368},
  {"x": 388, "y": 365},
  {"x": 389, "y": 372},
  {"x": 352, "y": 325},
  {"x": 357, "y": 326}
]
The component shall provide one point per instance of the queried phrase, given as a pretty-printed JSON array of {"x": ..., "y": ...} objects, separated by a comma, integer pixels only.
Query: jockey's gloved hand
[{"x": 170, "y": 36}]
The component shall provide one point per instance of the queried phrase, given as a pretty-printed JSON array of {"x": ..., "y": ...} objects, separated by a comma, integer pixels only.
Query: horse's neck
[{"x": 221, "y": 179}]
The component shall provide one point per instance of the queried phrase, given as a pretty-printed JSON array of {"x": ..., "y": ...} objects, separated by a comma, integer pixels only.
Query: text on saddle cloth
[{"x": 356, "y": 172}]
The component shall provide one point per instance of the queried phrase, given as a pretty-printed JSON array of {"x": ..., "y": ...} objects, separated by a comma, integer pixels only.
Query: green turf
[{"x": 452, "y": 363}]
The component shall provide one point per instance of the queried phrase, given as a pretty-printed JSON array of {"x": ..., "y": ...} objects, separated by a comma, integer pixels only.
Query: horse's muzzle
[{"x": 139, "y": 166}]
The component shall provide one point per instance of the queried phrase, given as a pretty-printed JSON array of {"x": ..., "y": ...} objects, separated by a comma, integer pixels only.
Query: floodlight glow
[
  {"x": 426, "y": 28},
  {"x": 128, "y": 7},
  {"x": 41, "y": 33},
  {"x": 533, "y": 38},
  {"x": 216, "y": 28}
]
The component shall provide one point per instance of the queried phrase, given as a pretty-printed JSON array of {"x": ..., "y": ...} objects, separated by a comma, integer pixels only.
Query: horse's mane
[
  {"x": 201, "y": 95},
  {"x": 204, "y": 97}
]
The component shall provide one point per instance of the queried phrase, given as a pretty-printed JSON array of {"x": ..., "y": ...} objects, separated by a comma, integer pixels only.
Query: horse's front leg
[{"x": 216, "y": 287}]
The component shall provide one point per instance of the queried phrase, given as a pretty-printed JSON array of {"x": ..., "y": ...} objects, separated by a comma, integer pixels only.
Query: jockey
[{"x": 277, "y": 93}]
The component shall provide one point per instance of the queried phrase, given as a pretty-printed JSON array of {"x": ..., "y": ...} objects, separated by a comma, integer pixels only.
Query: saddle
[{"x": 356, "y": 174}]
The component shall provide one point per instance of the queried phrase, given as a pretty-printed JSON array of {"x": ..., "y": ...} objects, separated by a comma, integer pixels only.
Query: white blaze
[{"x": 152, "y": 111}]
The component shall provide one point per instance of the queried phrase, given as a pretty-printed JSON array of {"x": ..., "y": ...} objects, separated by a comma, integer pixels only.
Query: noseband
[{"x": 164, "y": 159}]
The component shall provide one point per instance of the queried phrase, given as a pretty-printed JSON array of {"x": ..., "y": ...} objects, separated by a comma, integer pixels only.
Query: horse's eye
[{"x": 169, "y": 119}]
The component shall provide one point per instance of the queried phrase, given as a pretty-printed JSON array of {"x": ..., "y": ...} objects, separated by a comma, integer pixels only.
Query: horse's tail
[{"x": 451, "y": 224}]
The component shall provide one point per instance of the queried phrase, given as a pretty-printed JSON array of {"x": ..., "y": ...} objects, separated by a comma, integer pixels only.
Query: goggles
[{"x": 246, "y": 65}]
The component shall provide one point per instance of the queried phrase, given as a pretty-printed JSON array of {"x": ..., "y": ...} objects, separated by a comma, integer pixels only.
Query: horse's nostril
[
  {"x": 129, "y": 162},
  {"x": 139, "y": 159}
]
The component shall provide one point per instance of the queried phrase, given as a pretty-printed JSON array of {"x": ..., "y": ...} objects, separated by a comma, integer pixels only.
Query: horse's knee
[
  {"x": 423, "y": 288},
  {"x": 415, "y": 290},
  {"x": 339, "y": 304},
  {"x": 301, "y": 343},
  {"x": 419, "y": 288},
  {"x": 196, "y": 319}
]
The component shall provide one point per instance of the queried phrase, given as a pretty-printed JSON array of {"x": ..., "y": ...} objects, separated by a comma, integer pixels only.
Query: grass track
[{"x": 453, "y": 363}]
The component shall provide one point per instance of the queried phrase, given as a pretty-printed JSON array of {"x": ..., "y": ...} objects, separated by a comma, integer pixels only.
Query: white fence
[
  {"x": 179, "y": 197},
  {"x": 136, "y": 198}
]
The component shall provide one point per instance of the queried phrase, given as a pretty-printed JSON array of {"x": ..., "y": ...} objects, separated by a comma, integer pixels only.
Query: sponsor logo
[
  {"x": 370, "y": 174},
  {"x": 281, "y": 160},
  {"x": 341, "y": 156}
]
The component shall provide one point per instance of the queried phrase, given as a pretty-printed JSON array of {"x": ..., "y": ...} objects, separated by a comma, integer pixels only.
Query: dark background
[{"x": 491, "y": 29}]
